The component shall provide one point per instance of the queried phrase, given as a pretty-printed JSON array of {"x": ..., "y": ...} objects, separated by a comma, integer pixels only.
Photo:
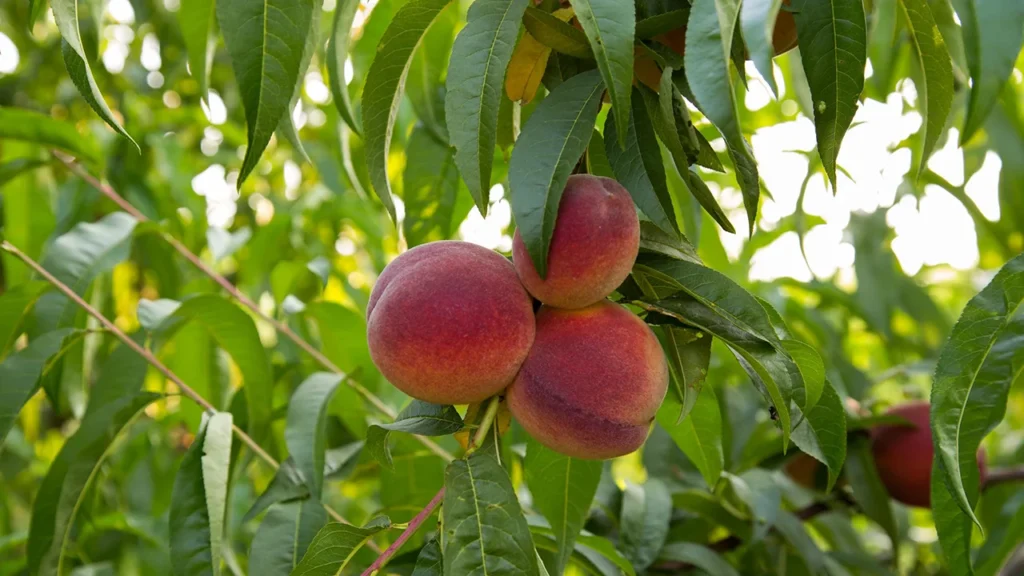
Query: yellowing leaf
[{"x": 526, "y": 69}]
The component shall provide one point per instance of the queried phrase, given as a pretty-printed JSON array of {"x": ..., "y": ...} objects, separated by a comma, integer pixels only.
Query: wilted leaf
[{"x": 526, "y": 69}]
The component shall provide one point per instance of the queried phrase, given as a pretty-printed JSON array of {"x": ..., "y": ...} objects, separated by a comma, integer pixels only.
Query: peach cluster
[{"x": 453, "y": 323}]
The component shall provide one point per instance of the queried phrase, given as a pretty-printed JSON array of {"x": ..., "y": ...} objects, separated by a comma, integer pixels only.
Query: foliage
[{"x": 191, "y": 230}]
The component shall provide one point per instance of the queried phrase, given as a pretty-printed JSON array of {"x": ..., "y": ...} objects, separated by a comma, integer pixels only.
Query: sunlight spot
[
  {"x": 350, "y": 71},
  {"x": 171, "y": 99},
  {"x": 292, "y": 179},
  {"x": 155, "y": 79},
  {"x": 316, "y": 90},
  {"x": 780, "y": 259},
  {"x": 150, "y": 57},
  {"x": 8, "y": 55},
  {"x": 948, "y": 161},
  {"x": 215, "y": 111},
  {"x": 121, "y": 11},
  {"x": 983, "y": 187},
  {"x": 218, "y": 188}
]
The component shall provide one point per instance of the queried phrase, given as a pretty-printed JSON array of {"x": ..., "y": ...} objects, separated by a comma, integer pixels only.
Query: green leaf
[
  {"x": 562, "y": 489},
  {"x": 334, "y": 547},
  {"x": 661, "y": 23},
  {"x": 700, "y": 556},
  {"x": 122, "y": 374},
  {"x": 69, "y": 478},
  {"x": 485, "y": 531},
  {"x": 1003, "y": 536},
  {"x": 552, "y": 32},
  {"x": 289, "y": 484},
  {"x": 235, "y": 332},
  {"x": 21, "y": 371},
  {"x": 699, "y": 434},
  {"x": 709, "y": 38},
  {"x": 548, "y": 149},
  {"x": 977, "y": 365},
  {"x": 833, "y": 47},
  {"x": 757, "y": 20},
  {"x": 794, "y": 531},
  {"x": 993, "y": 35},
  {"x": 821, "y": 431},
  {"x": 883, "y": 46},
  {"x": 703, "y": 194},
  {"x": 936, "y": 93},
  {"x": 15, "y": 304},
  {"x": 286, "y": 125},
  {"x": 265, "y": 41},
  {"x": 812, "y": 370},
  {"x": 305, "y": 433},
  {"x": 284, "y": 535},
  {"x": 433, "y": 206},
  {"x": 710, "y": 508},
  {"x": 419, "y": 417},
  {"x": 11, "y": 170},
  {"x": 337, "y": 54},
  {"x": 689, "y": 354},
  {"x": 476, "y": 77},
  {"x": 609, "y": 26},
  {"x": 637, "y": 165},
  {"x": 385, "y": 85},
  {"x": 646, "y": 511},
  {"x": 654, "y": 240},
  {"x": 868, "y": 490},
  {"x": 429, "y": 562},
  {"x": 952, "y": 525},
  {"x": 198, "y": 22},
  {"x": 78, "y": 257},
  {"x": 67, "y": 14}
]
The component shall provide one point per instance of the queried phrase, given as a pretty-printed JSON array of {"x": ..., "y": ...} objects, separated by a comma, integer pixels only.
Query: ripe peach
[
  {"x": 903, "y": 455},
  {"x": 449, "y": 323},
  {"x": 596, "y": 239},
  {"x": 592, "y": 383}
]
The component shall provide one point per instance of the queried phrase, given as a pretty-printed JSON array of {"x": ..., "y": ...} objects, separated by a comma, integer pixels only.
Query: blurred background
[{"x": 873, "y": 274}]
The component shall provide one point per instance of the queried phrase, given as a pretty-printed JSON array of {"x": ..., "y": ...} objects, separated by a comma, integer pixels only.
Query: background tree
[{"x": 186, "y": 387}]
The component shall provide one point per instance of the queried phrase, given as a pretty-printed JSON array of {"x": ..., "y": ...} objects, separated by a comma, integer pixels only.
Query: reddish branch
[
  {"x": 999, "y": 476},
  {"x": 414, "y": 525}
]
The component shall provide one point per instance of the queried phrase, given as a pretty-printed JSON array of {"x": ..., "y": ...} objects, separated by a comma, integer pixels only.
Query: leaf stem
[
  {"x": 414, "y": 525},
  {"x": 228, "y": 287},
  {"x": 149, "y": 357},
  {"x": 484, "y": 426}
]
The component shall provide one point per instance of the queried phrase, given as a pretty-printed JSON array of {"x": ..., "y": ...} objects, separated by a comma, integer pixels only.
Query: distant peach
[
  {"x": 594, "y": 245},
  {"x": 592, "y": 383},
  {"x": 903, "y": 455},
  {"x": 449, "y": 323}
]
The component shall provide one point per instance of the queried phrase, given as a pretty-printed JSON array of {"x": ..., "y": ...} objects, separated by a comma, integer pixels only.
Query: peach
[
  {"x": 903, "y": 455},
  {"x": 449, "y": 323},
  {"x": 592, "y": 383},
  {"x": 594, "y": 245}
]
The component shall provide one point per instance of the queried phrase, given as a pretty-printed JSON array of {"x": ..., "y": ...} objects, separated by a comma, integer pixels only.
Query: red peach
[
  {"x": 592, "y": 383},
  {"x": 594, "y": 245},
  {"x": 449, "y": 323}
]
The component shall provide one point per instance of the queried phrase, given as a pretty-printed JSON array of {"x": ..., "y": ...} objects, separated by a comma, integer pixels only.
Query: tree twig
[
  {"x": 414, "y": 525},
  {"x": 231, "y": 289},
  {"x": 150, "y": 358},
  {"x": 999, "y": 476}
]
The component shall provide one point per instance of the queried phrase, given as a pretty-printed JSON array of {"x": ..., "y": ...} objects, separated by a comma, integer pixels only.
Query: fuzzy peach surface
[
  {"x": 449, "y": 323},
  {"x": 592, "y": 383},
  {"x": 594, "y": 245}
]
